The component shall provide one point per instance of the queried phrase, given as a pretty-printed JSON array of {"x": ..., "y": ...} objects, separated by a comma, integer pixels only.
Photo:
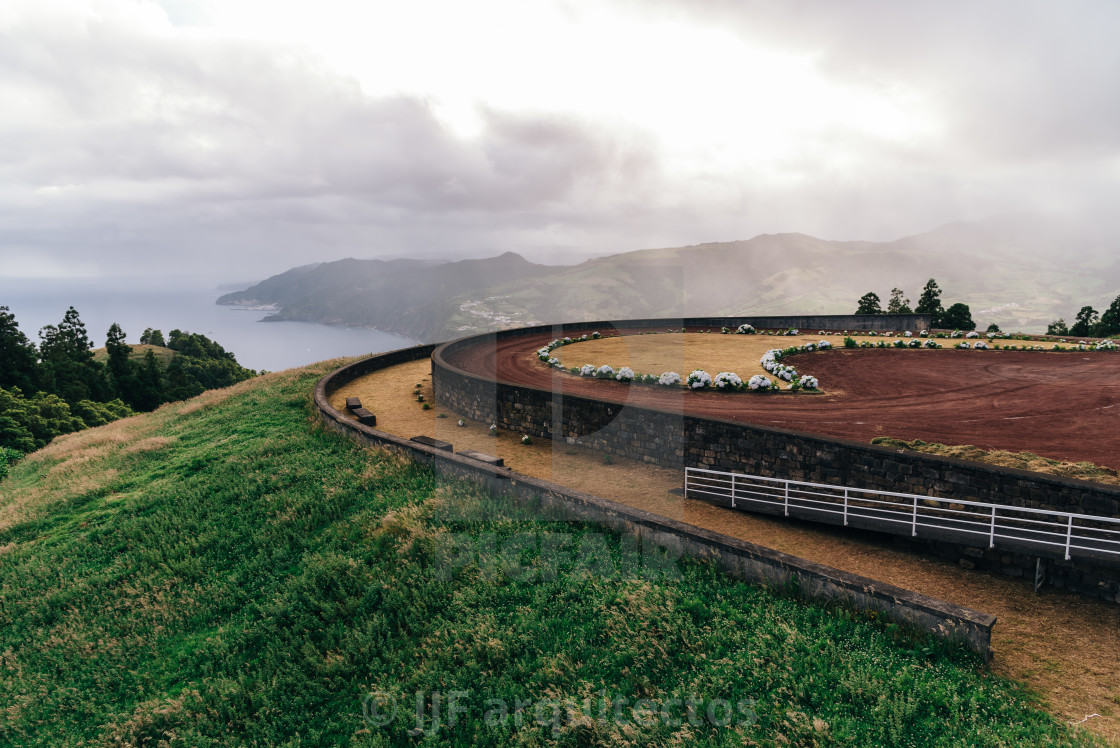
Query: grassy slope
[
  {"x": 221, "y": 571},
  {"x": 163, "y": 355}
]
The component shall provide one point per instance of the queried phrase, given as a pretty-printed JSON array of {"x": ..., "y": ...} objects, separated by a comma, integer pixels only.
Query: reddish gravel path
[{"x": 1061, "y": 405}]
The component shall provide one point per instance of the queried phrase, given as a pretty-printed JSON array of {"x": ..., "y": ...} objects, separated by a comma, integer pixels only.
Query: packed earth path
[{"x": 1062, "y": 405}]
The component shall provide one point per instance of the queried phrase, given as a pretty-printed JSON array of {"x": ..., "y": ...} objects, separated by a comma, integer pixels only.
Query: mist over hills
[{"x": 1008, "y": 272}]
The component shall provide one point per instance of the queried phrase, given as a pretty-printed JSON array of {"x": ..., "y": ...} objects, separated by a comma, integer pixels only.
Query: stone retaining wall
[
  {"x": 747, "y": 561},
  {"x": 675, "y": 440}
]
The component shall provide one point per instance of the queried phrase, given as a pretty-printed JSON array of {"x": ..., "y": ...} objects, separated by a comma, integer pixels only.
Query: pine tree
[
  {"x": 123, "y": 374},
  {"x": 869, "y": 304},
  {"x": 149, "y": 393},
  {"x": 1085, "y": 323},
  {"x": 20, "y": 367},
  {"x": 67, "y": 358},
  {"x": 930, "y": 303},
  {"x": 958, "y": 317},
  {"x": 1057, "y": 327},
  {"x": 1110, "y": 320},
  {"x": 152, "y": 337}
]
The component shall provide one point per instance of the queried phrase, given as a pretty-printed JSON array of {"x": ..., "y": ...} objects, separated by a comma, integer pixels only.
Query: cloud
[
  {"x": 139, "y": 135},
  {"x": 133, "y": 135}
]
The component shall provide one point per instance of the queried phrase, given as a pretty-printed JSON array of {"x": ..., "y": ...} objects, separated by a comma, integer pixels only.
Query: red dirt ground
[{"x": 1060, "y": 405}]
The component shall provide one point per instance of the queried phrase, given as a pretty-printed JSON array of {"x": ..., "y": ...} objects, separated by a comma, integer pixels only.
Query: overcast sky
[{"x": 247, "y": 136}]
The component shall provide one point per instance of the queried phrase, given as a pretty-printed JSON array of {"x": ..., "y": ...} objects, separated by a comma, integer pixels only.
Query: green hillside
[{"x": 223, "y": 572}]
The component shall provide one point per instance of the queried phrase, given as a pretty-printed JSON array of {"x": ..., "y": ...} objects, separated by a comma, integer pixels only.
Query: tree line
[
  {"x": 1090, "y": 323},
  {"x": 58, "y": 386},
  {"x": 957, "y": 317}
]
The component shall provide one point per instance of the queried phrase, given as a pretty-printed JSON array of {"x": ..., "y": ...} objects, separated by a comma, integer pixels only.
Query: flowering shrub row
[
  {"x": 850, "y": 342},
  {"x": 543, "y": 353}
]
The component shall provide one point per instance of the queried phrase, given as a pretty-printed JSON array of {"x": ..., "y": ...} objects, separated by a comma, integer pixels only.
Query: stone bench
[
  {"x": 483, "y": 457},
  {"x": 353, "y": 403},
  {"x": 365, "y": 417},
  {"x": 436, "y": 443}
]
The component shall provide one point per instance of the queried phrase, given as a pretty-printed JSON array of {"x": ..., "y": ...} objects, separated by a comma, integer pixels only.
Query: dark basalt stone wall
[
  {"x": 676, "y": 440},
  {"x": 747, "y": 561}
]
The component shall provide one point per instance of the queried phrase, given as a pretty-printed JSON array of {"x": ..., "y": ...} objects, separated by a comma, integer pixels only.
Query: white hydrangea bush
[
  {"x": 745, "y": 329},
  {"x": 699, "y": 379},
  {"x": 728, "y": 380},
  {"x": 605, "y": 371},
  {"x": 587, "y": 370},
  {"x": 669, "y": 379},
  {"x": 759, "y": 382},
  {"x": 625, "y": 374}
]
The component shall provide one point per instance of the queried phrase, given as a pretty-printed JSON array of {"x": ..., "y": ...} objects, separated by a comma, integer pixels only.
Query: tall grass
[{"x": 223, "y": 572}]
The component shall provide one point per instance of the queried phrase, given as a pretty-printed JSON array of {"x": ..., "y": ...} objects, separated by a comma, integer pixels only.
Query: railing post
[
  {"x": 914, "y": 525},
  {"x": 992, "y": 534},
  {"x": 787, "y": 498},
  {"x": 1069, "y": 535},
  {"x": 845, "y": 507},
  {"x": 733, "y": 490}
]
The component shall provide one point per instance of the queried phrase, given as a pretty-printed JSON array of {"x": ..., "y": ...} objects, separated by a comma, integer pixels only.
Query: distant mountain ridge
[{"x": 1019, "y": 283}]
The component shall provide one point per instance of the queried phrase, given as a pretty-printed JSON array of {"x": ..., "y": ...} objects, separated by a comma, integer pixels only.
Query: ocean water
[{"x": 188, "y": 306}]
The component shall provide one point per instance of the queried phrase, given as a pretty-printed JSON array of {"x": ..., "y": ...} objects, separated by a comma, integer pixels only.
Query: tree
[
  {"x": 930, "y": 303},
  {"x": 67, "y": 359},
  {"x": 20, "y": 366},
  {"x": 122, "y": 371},
  {"x": 898, "y": 304},
  {"x": 958, "y": 317},
  {"x": 869, "y": 304},
  {"x": 29, "y": 423},
  {"x": 993, "y": 327},
  {"x": 1110, "y": 320},
  {"x": 152, "y": 337},
  {"x": 149, "y": 392},
  {"x": 1085, "y": 323},
  {"x": 1057, "y": 327}
]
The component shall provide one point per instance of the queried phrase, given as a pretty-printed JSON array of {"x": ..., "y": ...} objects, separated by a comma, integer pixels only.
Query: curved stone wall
[
  {"x": 676, "y": 440},
  {"x": 753, "y": 563}
]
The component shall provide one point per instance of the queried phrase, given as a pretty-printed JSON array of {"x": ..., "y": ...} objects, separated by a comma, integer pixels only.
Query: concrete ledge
[{"x": 747, "y": 561}]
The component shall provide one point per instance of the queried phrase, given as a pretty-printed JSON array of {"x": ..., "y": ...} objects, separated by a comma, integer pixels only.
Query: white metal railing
[{"x": 1072, "y": 534}]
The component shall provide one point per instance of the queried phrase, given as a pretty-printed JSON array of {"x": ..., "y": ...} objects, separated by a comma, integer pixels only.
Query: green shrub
[{"x": 8, "y": 457}]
